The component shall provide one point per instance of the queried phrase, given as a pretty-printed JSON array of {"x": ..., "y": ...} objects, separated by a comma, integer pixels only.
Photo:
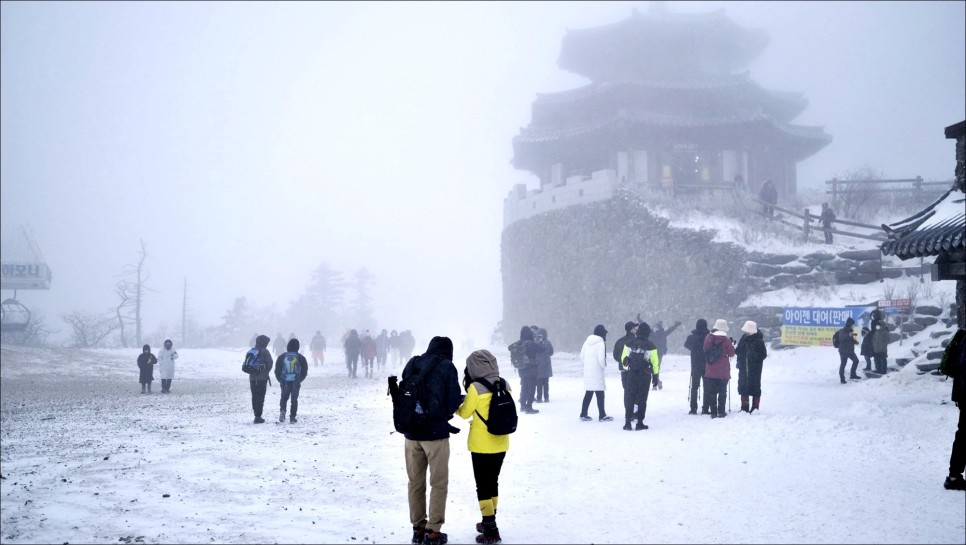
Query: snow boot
[
  {"x": 259, "y": 420},
  {"x": 754, "y": 403},
  {"x": 955, "y": 482},
  {"x": 419, "y": 533},
  {"x": 490, "y": 533},
  {"x": 435, "y": 537},
  {"x": 640, "y": 426},
  {"x": 292, "y": 419},
  {"x": 606, "y": 418},
  {"x": 693, "y": 411},
  {"x": 584, "y": 418},
  {"x": 281, "y": 416},
  {"x": 627, "y": 425},
  {"x": 744, "y": 403},
  {"x": 705, "y": 411}
]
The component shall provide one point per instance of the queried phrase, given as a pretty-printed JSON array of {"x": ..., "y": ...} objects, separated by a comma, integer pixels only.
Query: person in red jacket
[{"x": 717, "y": 372}]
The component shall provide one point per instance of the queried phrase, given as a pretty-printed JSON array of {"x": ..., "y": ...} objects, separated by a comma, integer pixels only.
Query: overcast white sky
[{"x": 247, "y": 142}]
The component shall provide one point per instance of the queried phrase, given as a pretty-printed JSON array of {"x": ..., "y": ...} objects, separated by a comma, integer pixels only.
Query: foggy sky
[{"x": 245, "y": 143}]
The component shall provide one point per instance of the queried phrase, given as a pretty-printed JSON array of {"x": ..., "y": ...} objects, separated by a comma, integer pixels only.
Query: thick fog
[{"x": 246, "y": 143}]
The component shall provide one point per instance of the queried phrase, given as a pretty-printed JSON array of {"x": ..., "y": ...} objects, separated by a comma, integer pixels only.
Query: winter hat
[
  {"x": 601, "y": 331},
  {"x": 482, "y": 364},
  {"x": 850, "y": 322},
  {"x": 701, "y": 324},
  {"x": 643, "y": 331},
  {"x": 293, "y": 345},
  {"x": 721, "y": 325},
  {"x": 629, "y": 326},
  {"x": 750, "y": 327},
  {"x": 145, "y": 349}
]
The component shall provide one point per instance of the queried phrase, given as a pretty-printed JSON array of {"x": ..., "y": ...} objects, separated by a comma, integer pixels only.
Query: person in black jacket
[
  {"x": 695, "y": 344},
  {"x": 291, "y": 368},
  {"x": 430, "y": 449},
  {"x": 528, "y": 374},
  {"x": 751, "y": 354},
  {"x": 866, "y": 349},
  {"x": 659, "y": 338},
  {"x": 956, "y": 357},
  {"x": 630, "y": 329},
  {"x": 641, "y": 361},
  {"x": 846, "y": 349},
  {"x": 146, "y": 363},
  {"x": 353, "y": 347},
  {"x": 544, "y": 367},
  {"x": 259, "y": 381}
]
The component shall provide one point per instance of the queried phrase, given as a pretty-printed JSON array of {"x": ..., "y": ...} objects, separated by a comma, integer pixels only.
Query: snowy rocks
[
  {"x": 762, "y": 269},
  {"x": 929, "y": 310},
  {"x": 815, "y": 258},
  {"x": 862, "y": 255},
  {"x": 770, "y": 259}
]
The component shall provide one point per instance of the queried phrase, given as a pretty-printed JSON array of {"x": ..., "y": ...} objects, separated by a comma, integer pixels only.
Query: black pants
[
  {"x": 855, "y": 364},
  {"x": 166, "y": 384},
  {"x": 351, "y": 362},
  {"x": 881, "y": 366},
  {"x": 697, "y": 379},
  {"x": 636, "y": 389},
  {"x": 528, "y": 387},
  {"x": 717, "y": 394},
  {"x": 957, "y": 460},
  {"x": 600, "y": 403},
  {"x": 868, "y": 362},
  {"x": 258, "y": 395},
  {"x": 290, "y": 388},
  {"x": 543, "y": 389},
  {"x": 828, "y": 236},
  {"x": 486, "y": 471}
]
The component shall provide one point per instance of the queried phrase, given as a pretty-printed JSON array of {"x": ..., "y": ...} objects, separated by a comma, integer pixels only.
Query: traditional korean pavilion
[{"x": 667, "y": 107}]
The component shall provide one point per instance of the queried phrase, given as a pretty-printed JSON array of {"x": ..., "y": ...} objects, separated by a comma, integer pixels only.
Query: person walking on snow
[
  {"x": 528, "y": 374},
  {"x": 593, "y": 355},
  {"x": 866, "y": 348},
  {"x": 166, "y": 358},
  {"x": 695, "y": 344},
  {"x": 146, "y": 363},
  {"x": 630, "y": 332},
  {"x": 751, "y": 354},
  {"x": 544, "y": 367},
  {"x": 318, "y": 349},
  {"x": 847, "y": 342},
  {"x": 641, "y": 361},
  {"x": 258, "y": 380},
  {"x": 291, "y": 368},
  {"x": 279, "y": 344}
]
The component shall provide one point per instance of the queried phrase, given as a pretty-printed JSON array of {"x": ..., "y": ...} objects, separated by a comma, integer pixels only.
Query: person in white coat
[
  {"x": 166, "y": 358},
  {"x": 593, "y": 354}
]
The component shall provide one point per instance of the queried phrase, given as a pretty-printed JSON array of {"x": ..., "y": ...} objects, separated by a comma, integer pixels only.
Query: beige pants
[{"x": 434, "y": 455}]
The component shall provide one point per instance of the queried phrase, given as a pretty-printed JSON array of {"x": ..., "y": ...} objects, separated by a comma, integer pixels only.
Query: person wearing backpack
[
  {"x": 630, "y": 332},
  {"x": 544, "y": 367},
  {"x": 487, "y": 450},
  {"x": 593, "y": 355},
  {"x": 846, "y": 340},
  {"x": 751, "y": 354},
  {"x": 695, "y": 344},
  {"x": 953, "y": 365},
  {"x": 720, "y": 349},
  {"x": 641, "y": 361},
  {"x": 258, "y": 374},
  {"x": 146, "y": 362},
  {"x": 166, "y": 357},
  {"x": 428, "y": 447},
  {"x": 291, "y": 368}
]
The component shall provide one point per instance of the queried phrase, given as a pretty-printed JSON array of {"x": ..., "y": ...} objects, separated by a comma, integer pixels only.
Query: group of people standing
[
  {"x": 874, "y": 346},
  {"x": 374, "y": 351},
  {"x": 165, "y": 362},
  {"x": 535, "y": 377}
]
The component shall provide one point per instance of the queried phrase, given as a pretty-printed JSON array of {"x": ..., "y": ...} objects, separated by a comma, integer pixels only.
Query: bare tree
[
  {"x": 858, "y": 200},
  {"x": 35, "y": 333},
  {"x": 131, "y": 294},
  {"x": 90, "y": 329}
]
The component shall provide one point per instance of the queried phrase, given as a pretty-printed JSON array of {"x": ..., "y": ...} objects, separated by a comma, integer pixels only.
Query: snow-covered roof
[{"x": 938, "y": 228}]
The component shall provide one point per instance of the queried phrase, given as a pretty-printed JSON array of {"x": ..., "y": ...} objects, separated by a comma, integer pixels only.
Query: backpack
[
  {"x": 518, "y": 355},
  {"x": 409, "y": 403},
  {"x": 291, "y": 366},
  {"x": 835, "y": 340},
  {"x": 713, "y": 352},
  {"x": 503, "y": 410},
  {"x": 251, "y": 364},
  {"x": 638, "y": 359}
]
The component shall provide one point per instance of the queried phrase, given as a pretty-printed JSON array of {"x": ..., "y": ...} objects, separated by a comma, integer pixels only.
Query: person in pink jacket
[{"x": 717, "y": 372}]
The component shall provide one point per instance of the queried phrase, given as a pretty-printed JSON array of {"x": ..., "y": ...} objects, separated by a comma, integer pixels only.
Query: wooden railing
[
  {"x": 807, "y": 227},
  {"x": 913, "y": 187}
]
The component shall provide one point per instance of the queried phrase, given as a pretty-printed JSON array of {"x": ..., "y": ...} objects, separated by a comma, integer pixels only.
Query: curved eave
[{"x": 938, "y": 228}]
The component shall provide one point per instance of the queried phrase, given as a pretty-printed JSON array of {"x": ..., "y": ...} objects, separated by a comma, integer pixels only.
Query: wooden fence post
[{"x": 805, "y": 226}]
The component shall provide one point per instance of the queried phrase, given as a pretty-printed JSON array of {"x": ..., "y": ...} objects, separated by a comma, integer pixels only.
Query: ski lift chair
[{"x": 14, "y": 317}]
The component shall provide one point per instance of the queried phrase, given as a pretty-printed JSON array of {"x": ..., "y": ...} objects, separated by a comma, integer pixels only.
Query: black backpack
[
  {"x": 409, "y": 404},
  {"x": 518, "y": 355},
  {"x": 713, "y": 352},
  {"x": 638, "y": 359},
  {"x": 503, "y": 410}
]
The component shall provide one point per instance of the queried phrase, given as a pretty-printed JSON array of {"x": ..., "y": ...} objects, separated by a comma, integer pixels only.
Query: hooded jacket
[
  {"x": 642, "y": 342},
  {"x": 482, "y": 364},
  {"x": 264, "y": 358},
  {"x": 544, "y": 363},
  {"x": 533, "y": 351},
  {"x": 353, "y": 345},
  {"x": 292, "y": 347},
  {"x": 146, "y": 362},
  {"x": 593, "y": 355},
  {"x": 695, "y": 344},
  {"x": 441, "y": 385},
  {"x": 166, "y": 359},
  {"x": 751, "y": 351}
]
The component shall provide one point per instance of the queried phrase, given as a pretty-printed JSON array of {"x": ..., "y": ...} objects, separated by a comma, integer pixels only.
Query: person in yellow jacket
[
  {"x": 640, "y": 362},
  {"x": 486, "y": 450}
]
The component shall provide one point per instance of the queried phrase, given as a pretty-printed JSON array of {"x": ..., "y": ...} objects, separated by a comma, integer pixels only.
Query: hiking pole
[{"x": 729, "y": 395}]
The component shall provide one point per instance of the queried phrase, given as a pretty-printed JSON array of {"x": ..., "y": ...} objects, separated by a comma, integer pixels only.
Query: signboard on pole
[
  {"x": 814, "y": 326},
  {"x": 896, "y": 306}
]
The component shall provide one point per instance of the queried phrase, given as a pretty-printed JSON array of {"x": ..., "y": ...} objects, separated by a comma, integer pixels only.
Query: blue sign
[{"x": 823, "y": 317}]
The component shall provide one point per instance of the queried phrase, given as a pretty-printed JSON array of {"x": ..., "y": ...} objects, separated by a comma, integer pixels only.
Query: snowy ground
[{"x": 87, "y": 459}]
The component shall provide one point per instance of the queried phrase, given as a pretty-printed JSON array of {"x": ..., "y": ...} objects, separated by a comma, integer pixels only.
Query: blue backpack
[
  {"x": 291, "y": 366},
  {"x": 251, "y": 365}
]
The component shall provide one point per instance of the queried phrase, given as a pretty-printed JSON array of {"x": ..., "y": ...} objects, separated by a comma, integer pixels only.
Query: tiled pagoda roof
[{"x": 940, "y": 227}]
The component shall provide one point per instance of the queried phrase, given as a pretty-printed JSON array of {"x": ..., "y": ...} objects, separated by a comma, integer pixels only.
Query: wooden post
[{"x": 805, "y": 226}]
